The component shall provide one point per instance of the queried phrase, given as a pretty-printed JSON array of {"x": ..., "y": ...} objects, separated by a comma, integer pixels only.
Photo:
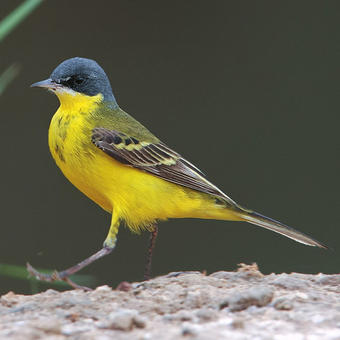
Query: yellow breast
[{"x": 71, "y": 147}]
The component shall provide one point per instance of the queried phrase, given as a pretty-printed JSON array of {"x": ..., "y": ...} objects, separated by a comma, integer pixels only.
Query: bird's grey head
[{"x": 83, "y": 76}]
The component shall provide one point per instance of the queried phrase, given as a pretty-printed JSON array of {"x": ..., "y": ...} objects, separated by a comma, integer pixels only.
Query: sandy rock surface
[{"x": 190, "y": 305}]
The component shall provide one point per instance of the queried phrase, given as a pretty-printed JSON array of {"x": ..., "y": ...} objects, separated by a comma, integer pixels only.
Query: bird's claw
[{"x": 55, "y": 276}]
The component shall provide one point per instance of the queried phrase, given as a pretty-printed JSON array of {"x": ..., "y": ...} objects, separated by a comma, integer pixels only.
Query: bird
[{"x": 124, "y": 168}]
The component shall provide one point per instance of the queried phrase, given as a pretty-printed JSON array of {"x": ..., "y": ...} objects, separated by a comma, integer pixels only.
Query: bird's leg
[
  {"x": 152, "y": 242},
  {"x": 108, "y": 246}
]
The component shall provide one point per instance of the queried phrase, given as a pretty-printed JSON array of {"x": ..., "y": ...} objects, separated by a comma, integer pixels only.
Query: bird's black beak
[{"x": 48, "y": 83}]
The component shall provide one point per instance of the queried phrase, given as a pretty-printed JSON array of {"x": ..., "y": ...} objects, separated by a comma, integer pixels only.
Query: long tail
[{"x": 268, "y": 223}]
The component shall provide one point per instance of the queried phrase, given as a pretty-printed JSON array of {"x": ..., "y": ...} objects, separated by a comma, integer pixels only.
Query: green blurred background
[{"x": 246, "y": 90}]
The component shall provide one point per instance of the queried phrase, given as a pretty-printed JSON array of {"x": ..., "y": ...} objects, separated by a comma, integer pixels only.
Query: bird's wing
[{"x": 154, "y": 158}]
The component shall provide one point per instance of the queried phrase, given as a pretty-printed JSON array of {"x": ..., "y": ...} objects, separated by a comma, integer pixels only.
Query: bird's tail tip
[{"x": 278, "y": 227}]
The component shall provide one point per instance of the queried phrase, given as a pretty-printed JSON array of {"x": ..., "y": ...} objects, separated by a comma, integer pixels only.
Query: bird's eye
[
  {"x": 72, "y": 81},
  {"x": 78, "y": 80}
]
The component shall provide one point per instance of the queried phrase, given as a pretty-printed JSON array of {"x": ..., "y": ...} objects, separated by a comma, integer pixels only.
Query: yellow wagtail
[{"x": 123, "y": 167}]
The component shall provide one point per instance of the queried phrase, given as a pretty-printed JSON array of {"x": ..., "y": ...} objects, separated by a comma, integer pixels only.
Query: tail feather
[{"x": 268, "y": 223}]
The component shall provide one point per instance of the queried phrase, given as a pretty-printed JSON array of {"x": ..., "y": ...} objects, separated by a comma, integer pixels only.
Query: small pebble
[
  {"x": 257, "y": 296},
  {"x": 139, "y": 321},
  {"x": 104, "y": 288},
  {"x": 122, "y": 319},
  {"x": 189, "y": 330},
  {"x": 289, "y": 282},
  {"x": 283, "y": 304},
  {"x": 237, "y": 324},
  {"x": 124, "y": 286},
  {"x": 206, "y": 314}
]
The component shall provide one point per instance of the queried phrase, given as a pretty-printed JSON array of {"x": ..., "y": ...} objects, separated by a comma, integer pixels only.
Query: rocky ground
[{"x": 190, "y": 305}]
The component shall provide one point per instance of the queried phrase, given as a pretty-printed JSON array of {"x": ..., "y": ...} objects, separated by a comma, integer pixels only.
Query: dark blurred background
[{"x": 246, "y": 90}]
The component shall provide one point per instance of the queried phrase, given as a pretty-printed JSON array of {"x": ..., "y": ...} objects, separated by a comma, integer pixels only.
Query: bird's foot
[{"x": 55, "y": 276}]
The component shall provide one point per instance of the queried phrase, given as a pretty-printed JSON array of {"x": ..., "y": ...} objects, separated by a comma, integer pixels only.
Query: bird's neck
[{"x": 78, "y": 102}]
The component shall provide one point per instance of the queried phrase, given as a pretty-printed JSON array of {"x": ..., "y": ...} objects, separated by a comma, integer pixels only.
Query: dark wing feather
[{"x": 154, "y": 158}]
